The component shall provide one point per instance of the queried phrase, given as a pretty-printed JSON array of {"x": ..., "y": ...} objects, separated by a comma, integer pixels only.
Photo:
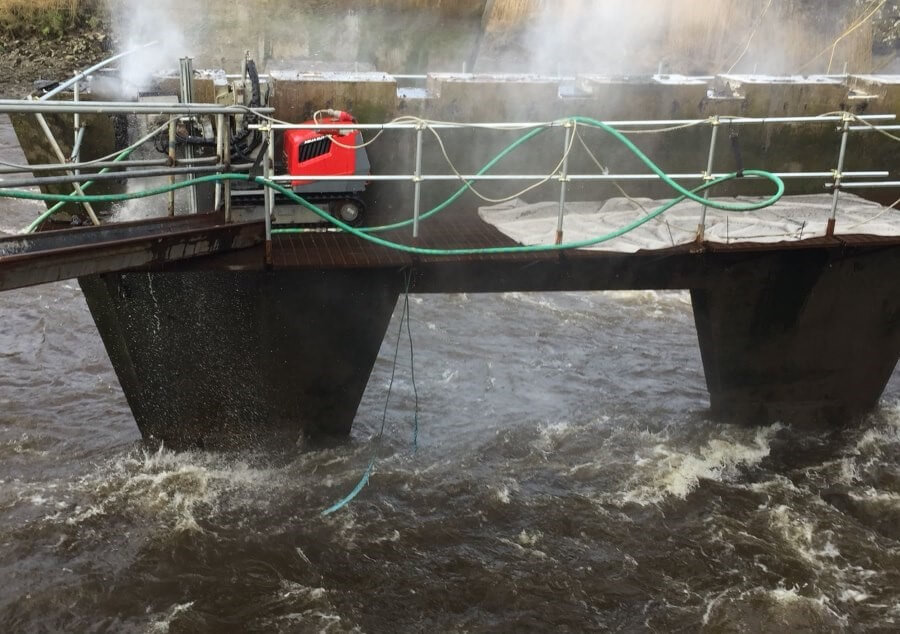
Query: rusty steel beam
[{"x": 59, "y": 255}]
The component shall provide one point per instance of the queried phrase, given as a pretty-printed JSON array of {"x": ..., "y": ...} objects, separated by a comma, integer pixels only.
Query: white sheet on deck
[{"x": 792, "y": 218}]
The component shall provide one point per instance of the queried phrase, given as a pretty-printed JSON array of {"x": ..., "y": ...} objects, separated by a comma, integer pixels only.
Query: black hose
[
  {"x": 736, "y": 151},
  {"x": 241, "y": 148},
  {"x": 254, "y": 83}
]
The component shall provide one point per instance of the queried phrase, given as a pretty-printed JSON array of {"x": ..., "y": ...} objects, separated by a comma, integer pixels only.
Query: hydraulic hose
[{"x": 240, "y": 147}]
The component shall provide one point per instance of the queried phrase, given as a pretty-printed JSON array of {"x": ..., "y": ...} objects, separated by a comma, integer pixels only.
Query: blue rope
[
  {"x": 356, "y": 490},
  {"x": 412, "y": 371},
  {"x": 367, "y": 474}
]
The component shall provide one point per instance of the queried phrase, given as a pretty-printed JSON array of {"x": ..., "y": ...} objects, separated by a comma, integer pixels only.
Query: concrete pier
[
  {"x": 221, "y": 359},
  {"x": 801, "y": 336}
]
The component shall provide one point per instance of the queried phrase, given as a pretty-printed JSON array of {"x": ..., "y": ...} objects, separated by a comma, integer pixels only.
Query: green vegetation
[{"x": 48, "y": 17}]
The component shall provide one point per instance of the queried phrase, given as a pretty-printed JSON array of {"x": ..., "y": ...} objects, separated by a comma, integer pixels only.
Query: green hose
[
  {"x": 459, "y": 192},
  {"x": 50, "y": 212},
  {"x": 364, "y": 234},
  {"x": 537, "y": 248}
]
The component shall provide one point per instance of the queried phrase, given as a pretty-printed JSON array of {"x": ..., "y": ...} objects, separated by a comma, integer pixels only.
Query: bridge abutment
[
  {"x": 226, "y": 358},
  {"x": 800, "y": 336}
]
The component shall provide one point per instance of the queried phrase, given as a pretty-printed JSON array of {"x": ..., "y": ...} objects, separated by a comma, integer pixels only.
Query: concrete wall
[
  {"x": 684, "y": 36},
  {"x": 518, "y": 35},
  {"x": 480, "y": 98}
]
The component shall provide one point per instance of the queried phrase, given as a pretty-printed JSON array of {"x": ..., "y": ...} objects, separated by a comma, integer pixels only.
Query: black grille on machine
[{"x": 316, "y": 147}]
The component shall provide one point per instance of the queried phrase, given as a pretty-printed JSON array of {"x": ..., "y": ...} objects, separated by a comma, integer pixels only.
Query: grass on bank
[{"x": 20, "y": 18}]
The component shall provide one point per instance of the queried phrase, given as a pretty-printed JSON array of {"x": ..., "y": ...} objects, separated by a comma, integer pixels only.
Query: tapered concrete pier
[{"x": 220, "y": 359}]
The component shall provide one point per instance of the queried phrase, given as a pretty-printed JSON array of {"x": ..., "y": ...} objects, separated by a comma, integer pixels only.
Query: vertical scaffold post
[
  {"x": 220, "y": 157},
  {"x": 707, "y": 176},
  {"x": 187, "y": 96},
  {"x": 417, "y": 179},
  {"x": 76, "y": 123},
  {"x": 270, "y": 193},
  {"x": 48, "y": 133},
  {"x": 838, "y": 176},
  {"x": 563, "y": 182},
  {"x": 227, "y": 167},
  {"x": 173, "y": 159}
]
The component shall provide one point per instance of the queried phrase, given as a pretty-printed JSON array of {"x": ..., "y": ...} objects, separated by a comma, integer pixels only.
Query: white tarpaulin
[{"x": 792, "y": 218}]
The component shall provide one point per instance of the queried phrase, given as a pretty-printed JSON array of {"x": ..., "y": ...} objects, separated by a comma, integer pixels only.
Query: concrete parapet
[
  {"x": 884, "y": 88},
  {"x": 467, "y": 97},
  {"x": 507, "y": 97},
  {"x": 658, "y": 97},
  {"x": 371, "y": 97},
  {"x": 767, "y": 96},
  {"x": 374, "y": 97}
]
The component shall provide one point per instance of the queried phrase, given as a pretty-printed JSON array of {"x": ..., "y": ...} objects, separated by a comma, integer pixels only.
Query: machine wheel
[{"x": 349, "y": 211}]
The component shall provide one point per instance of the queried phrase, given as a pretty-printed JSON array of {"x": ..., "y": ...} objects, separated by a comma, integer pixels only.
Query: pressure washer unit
[
  {"x": 332, "y": 152},
  {"x": 332, "y": 149}
]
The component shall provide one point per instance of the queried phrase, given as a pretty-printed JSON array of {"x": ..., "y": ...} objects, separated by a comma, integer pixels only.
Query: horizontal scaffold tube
[
  {"x": 92, "y": 165},
  {"x": 119, "y": 175},
  {"x": 15, "y": 106}
]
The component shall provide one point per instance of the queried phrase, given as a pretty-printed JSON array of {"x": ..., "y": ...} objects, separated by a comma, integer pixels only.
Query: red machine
[{"x": 331, "y": 152}]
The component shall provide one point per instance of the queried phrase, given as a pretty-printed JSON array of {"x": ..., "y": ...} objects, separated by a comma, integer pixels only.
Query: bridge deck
[
  {"x": 27, "y": 260},
  {"x": 339, "y": 250},
  {"x": 204, "y": 242}
]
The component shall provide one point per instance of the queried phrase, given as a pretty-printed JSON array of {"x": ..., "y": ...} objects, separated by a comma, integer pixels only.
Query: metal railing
[
  {"x": 838, "y": 176},
  {"x": 78, "y": 172}
]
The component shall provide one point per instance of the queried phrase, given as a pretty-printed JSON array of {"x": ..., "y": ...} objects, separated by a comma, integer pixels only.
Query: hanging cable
[
  {"x": 833, "y": 46},
  {"x": 605, "y": 170},
  {"x": 468, "y": 184},
  {"x": 887, "y": 210},
  {"x": 759, "y": 22},
  {"x": 735, "y": 140},
  {"x": 412, "y": 370},
  {"x": 367, "y": 474}
]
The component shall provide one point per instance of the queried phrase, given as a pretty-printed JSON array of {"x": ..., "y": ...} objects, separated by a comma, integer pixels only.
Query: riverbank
[{"x": 49, "y": 40}]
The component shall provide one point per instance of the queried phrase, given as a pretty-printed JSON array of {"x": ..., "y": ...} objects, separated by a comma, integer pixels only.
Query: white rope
[{"x": 518, "y": 194}]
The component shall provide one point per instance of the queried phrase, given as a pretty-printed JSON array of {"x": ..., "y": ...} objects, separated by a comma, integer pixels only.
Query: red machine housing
[{"x": 322, "y": 151}]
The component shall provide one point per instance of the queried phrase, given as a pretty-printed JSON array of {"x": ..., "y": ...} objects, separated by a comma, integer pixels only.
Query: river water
[{"x": 567, "y": 478}]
